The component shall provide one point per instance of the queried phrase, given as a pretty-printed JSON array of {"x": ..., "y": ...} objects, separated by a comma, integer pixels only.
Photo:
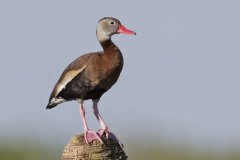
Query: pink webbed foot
[
  {"x": 109, "y": 135},
  {"x": 91, "y": 136}
]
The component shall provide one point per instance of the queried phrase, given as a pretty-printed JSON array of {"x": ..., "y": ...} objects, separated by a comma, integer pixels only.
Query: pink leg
[
  {"x": 88, "y": 135},
  {"x": 103, "y": 126}
]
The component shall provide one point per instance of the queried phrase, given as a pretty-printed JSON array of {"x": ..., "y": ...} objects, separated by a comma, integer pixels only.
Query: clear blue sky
[{"x": 180, "y": 79}]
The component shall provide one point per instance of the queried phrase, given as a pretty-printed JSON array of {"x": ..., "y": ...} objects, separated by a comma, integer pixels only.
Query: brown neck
[
  {"x": 109, "y": 47},
  {"x": 112, "y": 56}
]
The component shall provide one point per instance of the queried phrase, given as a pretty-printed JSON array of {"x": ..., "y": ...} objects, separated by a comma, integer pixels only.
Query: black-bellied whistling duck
[{"x": 91, "y": 75}]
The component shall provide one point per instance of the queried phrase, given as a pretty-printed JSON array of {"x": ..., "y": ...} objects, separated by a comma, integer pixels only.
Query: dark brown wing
[{"x": 72, "y": 71}]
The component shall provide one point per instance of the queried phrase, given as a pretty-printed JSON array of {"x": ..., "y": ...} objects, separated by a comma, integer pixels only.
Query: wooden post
[{"x": 77, "y": 149}]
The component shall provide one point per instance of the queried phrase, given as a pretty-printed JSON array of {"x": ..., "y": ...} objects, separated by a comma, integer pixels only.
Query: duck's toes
[
  {"x": 91, "y": 136},
  {"x": 109, "y": 135}
]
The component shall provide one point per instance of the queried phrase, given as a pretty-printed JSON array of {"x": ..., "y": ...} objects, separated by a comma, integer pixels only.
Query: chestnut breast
[{"x": 104, "y": 69}]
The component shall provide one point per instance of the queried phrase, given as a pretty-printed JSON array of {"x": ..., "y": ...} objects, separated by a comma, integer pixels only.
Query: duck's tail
[{"x": 54, "y": 102}]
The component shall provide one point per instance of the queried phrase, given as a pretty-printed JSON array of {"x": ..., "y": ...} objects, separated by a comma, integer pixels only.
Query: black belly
[{"x": 80, "y": 87}]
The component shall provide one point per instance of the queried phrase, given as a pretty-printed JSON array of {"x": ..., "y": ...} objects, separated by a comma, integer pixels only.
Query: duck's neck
[
  {"x": 111, "y": 54},
  {"x": 109, "y": 47},
  {"x": 106, "y": 42}
]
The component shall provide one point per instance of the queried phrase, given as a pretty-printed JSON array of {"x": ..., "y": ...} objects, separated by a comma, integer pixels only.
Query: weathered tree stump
[{"x": 77, "y": 149}]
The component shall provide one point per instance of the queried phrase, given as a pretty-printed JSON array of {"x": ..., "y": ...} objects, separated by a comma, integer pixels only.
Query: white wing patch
[
  {"x": 67, "y": 78},
  {"x": 57, "y": 100}
]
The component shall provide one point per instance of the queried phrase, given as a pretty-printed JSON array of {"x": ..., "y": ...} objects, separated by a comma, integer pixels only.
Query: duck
[{"x": 91, "y": 75}]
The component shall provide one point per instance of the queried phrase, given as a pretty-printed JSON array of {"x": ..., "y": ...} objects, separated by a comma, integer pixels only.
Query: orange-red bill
[{"x": 122, "y": 29}]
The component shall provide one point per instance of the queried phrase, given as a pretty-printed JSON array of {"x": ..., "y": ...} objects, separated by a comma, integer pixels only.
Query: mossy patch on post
[{"x": 78, "y": 149}]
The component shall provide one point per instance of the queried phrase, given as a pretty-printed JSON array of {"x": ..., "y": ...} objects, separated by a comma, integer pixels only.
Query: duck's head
[{"x": 109, "y": 26}]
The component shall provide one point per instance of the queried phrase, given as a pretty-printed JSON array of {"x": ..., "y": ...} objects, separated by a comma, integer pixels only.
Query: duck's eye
[{"x": 112, "y": 23}]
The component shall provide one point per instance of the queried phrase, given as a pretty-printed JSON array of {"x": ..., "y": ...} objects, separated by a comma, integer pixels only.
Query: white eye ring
[{"x": 112, "y": 23}]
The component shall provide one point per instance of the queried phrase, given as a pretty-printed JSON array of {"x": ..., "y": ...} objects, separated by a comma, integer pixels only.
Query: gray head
[{"x": 108, "y": 26}]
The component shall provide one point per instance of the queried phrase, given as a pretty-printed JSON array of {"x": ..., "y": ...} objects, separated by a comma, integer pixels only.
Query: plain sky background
[{"x": 180, "y": 78}]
